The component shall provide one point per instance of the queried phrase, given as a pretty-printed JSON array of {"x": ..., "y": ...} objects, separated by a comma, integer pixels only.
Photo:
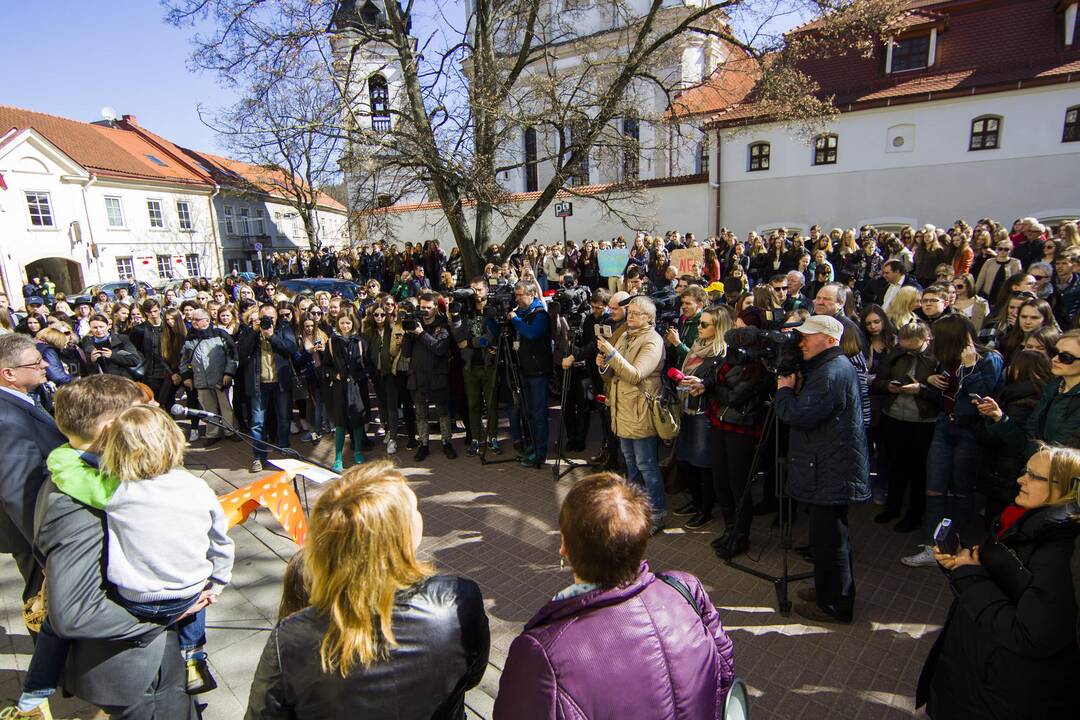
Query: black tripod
[
  {"x": 504, "y": 361},
  {"x": 781, "y": 581},
  {"x": 560, "y": 458}
]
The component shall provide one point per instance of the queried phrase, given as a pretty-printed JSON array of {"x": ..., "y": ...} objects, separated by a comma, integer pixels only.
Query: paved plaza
[{"x": 497, "y": 524}]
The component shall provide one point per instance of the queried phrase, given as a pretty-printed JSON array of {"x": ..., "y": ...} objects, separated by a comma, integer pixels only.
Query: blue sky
[{"x": 77, "y": 57}]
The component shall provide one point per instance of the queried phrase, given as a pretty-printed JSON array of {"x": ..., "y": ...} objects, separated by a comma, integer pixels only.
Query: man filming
[
  {"x": 828, "y": 463},
  {"x": 477, "y": 344},
  {"x": 577, "y": 412},
  {"x": 533, "y": 326},
  {"x": 428, "y": 348},
  {"x": 682, "y": 337}
]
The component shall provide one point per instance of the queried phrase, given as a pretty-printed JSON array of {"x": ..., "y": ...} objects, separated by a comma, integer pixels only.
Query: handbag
[{"x": 665, "y": 415}]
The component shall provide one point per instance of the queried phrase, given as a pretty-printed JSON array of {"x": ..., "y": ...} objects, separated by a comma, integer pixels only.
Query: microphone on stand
[{"x": 182, "y": 411}]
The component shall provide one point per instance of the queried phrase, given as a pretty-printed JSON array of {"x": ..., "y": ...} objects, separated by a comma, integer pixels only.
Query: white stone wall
[
  {"x": 681, "y": 207},
  {"x": 931, "y": 177}
]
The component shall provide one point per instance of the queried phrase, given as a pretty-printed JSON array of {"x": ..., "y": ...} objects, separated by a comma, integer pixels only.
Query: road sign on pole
[{"x": 564, "y": 209}]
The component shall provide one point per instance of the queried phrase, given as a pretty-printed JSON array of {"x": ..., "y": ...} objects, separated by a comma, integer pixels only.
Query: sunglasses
[
  {"x": 1065, "y": 358},
  {"x": 1004, "y": 249},
  {"x": 378, "y": 314},
  {"x": 1040, "y": 277}
]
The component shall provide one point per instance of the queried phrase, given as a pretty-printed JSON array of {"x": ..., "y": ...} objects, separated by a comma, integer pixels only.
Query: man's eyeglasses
[
  {"x": 40, "y": 362},
  {"x": 1063, "y": 357}
]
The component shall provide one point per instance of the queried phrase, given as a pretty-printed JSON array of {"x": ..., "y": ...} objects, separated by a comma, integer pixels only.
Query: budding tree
[{"x": 470, "y": 87}]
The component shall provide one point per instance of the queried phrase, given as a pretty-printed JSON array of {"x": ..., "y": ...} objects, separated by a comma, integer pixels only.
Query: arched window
[
  {"x": 985, "y": 133},
  {"x": 1071, "y": 132},
  {"x": 379, "y": 97},
  {"x": 759, "y": 156},
  {"x": 825, "y": 147}
]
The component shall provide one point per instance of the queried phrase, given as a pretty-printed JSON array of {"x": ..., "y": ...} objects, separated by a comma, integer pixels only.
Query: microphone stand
[{"x": 287, "y": 452}]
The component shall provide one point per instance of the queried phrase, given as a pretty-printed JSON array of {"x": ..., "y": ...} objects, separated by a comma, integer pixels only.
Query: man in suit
[
  {"x": 882, "y": 290},
  {"x": 27, "y": 436}
]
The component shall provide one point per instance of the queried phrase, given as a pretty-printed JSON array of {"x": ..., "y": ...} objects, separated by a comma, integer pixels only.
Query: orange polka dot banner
[{"x": 275, "y": 493}]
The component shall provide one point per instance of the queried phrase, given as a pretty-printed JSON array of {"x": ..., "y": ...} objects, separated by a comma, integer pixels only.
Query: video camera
[
  {"x": 500, "y": 301},
  {"x": 667, "y": 309},
  {"x": 778, "y": 351},
  {"x": 571, "y": 303},
  {"x": 460, "y": 300},
  {"x": 409, "y": 319}
]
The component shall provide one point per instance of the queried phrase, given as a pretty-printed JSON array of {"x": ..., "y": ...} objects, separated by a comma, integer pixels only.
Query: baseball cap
[
  {"x": 715, "y": 286},
  {"x": 34, "y": 300},
  {"x": 822, "y": 325}
]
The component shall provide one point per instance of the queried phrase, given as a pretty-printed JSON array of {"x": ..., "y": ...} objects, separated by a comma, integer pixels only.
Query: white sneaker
[
  {"x": 193, "y": 435},
  {"x": 391, "y": 447},
  {"x": 923, "y": 558},
  {"x": 293, "y": 428}
]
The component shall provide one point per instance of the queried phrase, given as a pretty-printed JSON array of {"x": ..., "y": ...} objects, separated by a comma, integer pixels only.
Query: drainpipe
[
  {"x": 716, "y": 185},
  {"x": 90, "y": 228},
  {"x": 219, "y": 251}
]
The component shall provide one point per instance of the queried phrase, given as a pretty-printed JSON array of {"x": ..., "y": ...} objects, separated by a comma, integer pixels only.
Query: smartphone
[
  {"x": 895, "y": 383},
  {"x": 945, "y": 537},
  {"x": 977, "y": 398},
  {"x": 605, "y": 330}
]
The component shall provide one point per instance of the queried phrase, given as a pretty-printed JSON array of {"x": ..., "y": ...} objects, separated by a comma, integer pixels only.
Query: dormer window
[{"x": 911, "y": 52}]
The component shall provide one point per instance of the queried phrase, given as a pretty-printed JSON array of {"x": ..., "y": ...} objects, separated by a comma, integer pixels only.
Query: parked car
[
  {"x": 309, "y": 286},
  {"x": 90, "y": 293}
]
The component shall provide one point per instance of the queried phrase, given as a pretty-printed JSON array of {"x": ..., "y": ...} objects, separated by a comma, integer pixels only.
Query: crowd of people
[{"x": 933, "y": 371}]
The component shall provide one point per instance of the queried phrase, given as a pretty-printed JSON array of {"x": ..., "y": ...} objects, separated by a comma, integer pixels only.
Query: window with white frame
[
  {"x": 164, "y": 266},
  {"x": 258, "y": 222},
  {"x": 191, "y": 262},
  {"x": 910, "y": 53},
  {"x": 156, "y": 214},
  {"x": 230, "y": 227},
  {"x": 114, "y": 210},
  {"x": 40, "y": 207},
  {"x": 183, "y": 214},
  {"x": 244, "y": 227},
  {"x": 125, "y": 268}
]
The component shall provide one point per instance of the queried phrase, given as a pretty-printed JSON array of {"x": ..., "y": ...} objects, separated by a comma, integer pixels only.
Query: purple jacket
[{"x": 634, "y": 651}]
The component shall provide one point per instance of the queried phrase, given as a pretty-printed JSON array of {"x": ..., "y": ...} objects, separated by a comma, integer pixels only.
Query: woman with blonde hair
[
  {"x": 383, "y": 636},
  {"x": 902, "y": 309},
  {"x": 1009, "y": 647}
]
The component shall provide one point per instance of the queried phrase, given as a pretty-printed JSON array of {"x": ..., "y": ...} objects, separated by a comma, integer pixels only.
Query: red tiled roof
[
  {"x": 985, "y": 47},
  {"x": 101, "y": 149},
  {"x": 241, "y": 175},
  {"x": 729, "y": 84}
]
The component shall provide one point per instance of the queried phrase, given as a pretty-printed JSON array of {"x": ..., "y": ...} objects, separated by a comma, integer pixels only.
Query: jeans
[
  {"x": 834, "y": 581},
  {"x": 642, "y": 468},
  {"x": 534, "y": 391},
  {"x": 278, "y": 399},
  {"x": 951, "y": 468},
  {"x": 191, "y": 630}
]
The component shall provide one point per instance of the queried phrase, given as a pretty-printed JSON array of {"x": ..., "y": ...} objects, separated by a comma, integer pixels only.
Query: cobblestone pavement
[{"x": 497, "y": 524}]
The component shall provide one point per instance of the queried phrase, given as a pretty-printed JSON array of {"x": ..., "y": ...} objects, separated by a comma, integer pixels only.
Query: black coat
[
  {"x": 124, "y": 357},
  {"x": 1009, "y": 646},
  {"x": 443, "y": 644},
  {"x": 429, "y": 356},
  {"x": 27, "y": 436},
  {"x": 345, "y": 403},
  {"x": 1003, "y": 462}
]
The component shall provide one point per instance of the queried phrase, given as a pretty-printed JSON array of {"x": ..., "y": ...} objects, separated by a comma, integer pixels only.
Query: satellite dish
[{"x": 108, "y": 113}]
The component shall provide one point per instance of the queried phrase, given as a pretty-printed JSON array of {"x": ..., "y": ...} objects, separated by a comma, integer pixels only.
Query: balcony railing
[{"x": 380, "y": 124}]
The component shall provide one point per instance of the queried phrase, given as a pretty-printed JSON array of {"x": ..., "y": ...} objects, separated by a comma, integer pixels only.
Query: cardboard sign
[
  {"x": 683, "y": 260},
  {"x": 612, "y": 261}
]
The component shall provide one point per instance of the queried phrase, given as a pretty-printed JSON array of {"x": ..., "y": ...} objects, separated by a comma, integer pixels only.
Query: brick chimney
[{"x": 130, "y": 119}]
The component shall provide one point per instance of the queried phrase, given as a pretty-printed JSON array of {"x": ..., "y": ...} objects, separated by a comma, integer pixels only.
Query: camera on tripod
[
  {"x": 571, "y": 303},
  {"x": 778, "y": 351},
  {"x": 500, "y": 301},
  {"x": 667, "y": 309},
  {"x": 460, "y": 301},
  {"x": 410, "y": 319}
]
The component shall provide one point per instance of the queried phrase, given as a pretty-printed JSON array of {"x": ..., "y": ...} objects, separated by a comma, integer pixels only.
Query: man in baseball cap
[{"x": 828, "y": 465}]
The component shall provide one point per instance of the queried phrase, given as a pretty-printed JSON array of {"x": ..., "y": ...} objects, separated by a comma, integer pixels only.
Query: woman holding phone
[
  {"x": 382, "y": 345},
  {"x": 1009, "y": 645}
]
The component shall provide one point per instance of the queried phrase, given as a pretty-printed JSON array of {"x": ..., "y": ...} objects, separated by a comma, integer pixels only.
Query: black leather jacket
[{"x": 443, "y": 642}]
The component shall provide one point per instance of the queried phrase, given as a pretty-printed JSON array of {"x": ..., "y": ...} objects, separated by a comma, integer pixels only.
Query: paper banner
[
  {"x": 275, "y": 493},
  {"x": 613, "y": 261},
  {"x": 683, "y": 260}
]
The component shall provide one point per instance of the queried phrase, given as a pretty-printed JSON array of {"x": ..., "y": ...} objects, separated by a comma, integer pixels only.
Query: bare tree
[
  {"x": 280, "y": 125},
  {"x": 468, "y": 92}
]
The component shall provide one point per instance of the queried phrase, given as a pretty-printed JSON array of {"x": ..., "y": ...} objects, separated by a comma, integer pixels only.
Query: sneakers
[
  {"x": 337, "y": 467},
  {"x": 199, "y": 679},
  {"x": 449, "y": 451},
  {"x": 687, "y": 510},
  {"x": 699, "y": 520},
  {"x": 391, "y": 447},
  {"x": 293, "y": 428},
  {"x": 811, "y": 611},
  {"x": 531, "y": 461},
  {"x": 256, "y": 466},
  {"x": 41, "y": 712},
  {"x": 421, "y": 452},
  {"x": 494, "y": 446},
  {"x": 923, "y": 558},
  {"x": 474, "y": 448},
  {"x": 311, "y": 437}
]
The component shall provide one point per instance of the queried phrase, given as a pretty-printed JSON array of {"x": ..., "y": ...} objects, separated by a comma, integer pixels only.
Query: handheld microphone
[
  {"x": 675, "y": 374},
  {"x": 180, "y": 411}
]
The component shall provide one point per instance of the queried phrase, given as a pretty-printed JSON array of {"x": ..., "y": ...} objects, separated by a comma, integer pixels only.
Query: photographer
[
  {"x": 267, "y": 356},
  {"x": 584, "y": 376},
  {"x": 427, "y": 345},
  {"x": 828, "y": 463},
  {"x": 634, "y": 365},
  {"x": 534, "y": 356},
  {"x": 682, "y": 335},
  {"x": 478, "y": 345}
]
